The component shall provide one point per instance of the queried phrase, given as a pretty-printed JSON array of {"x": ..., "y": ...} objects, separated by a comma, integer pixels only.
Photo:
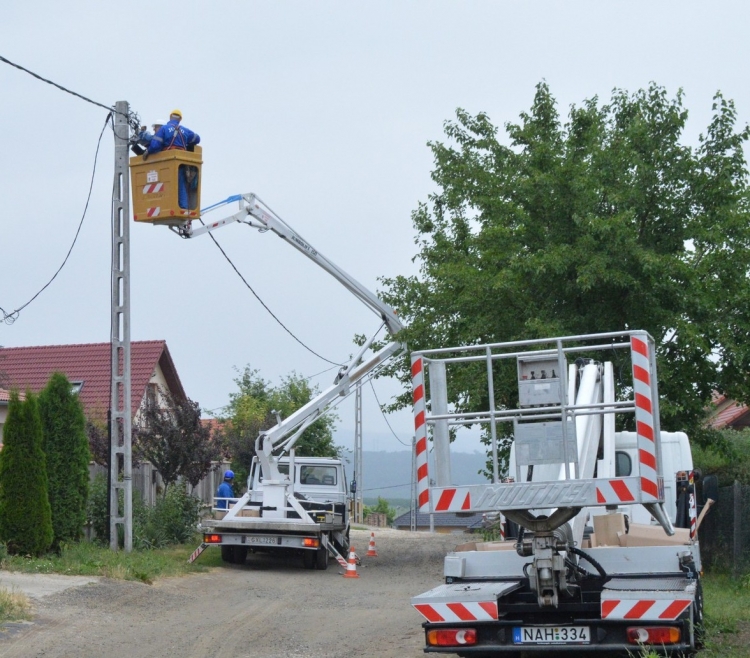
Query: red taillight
[
  {"x": 653, "y": 635},
  {"x": 309, "y": 542},
  {"x": 451, "y": 637},
  {"x": 212, "y": 539}
]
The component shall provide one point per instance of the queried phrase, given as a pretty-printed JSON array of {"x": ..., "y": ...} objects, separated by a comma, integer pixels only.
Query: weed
[{"x": 14, "y": 605}]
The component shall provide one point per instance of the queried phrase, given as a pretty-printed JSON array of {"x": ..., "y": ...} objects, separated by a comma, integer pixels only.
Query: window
[
  {"x": 318, "y": 475},
  {"x": 75, "y": 387},
  {"x": 152, "y": 395},
  {"x": 623, "y": 464}
]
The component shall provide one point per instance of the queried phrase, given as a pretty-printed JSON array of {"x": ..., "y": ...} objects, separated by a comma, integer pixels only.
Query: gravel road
[{"x": 267, "y": 608}]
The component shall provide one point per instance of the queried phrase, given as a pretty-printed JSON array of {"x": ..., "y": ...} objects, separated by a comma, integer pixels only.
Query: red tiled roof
[
  {"x": 31, "y": 367},
  {"x": 729, "y": 414},
  {"x": 5, "y": 395}
]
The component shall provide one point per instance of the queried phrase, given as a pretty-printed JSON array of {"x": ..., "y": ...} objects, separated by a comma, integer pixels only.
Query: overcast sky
[{"x": 323, "y": 109}]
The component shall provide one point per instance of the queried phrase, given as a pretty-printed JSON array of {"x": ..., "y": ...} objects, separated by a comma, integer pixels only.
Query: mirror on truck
[
  {"x": 711, "y": 488},
  {"x": 353, "y": 486}
]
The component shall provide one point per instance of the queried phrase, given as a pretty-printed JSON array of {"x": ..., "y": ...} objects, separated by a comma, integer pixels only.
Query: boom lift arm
[{"x": 282, "y": 437}]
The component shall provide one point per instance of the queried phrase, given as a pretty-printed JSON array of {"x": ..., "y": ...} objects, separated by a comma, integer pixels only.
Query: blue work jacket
[
  {"x": 173, "y": 135},
  {"x": 224, "y": 491}
]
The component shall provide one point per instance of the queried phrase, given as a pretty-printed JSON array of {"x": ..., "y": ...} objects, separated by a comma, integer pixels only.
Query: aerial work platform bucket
[{"x": 155, "y": 186}]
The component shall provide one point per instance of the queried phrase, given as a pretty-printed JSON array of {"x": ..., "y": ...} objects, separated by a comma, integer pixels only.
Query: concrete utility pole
[
  {"x": 358, "y": 500},
  {"x": 121, "y": 416}
]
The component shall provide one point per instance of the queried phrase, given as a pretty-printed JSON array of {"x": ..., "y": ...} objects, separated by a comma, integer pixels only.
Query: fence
[
  {"x": 725, "y": 531},
  {"x": 148, "y": 483}
]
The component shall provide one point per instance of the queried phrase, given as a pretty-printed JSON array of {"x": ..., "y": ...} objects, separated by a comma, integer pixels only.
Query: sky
[{"x": 325, "y": 110}]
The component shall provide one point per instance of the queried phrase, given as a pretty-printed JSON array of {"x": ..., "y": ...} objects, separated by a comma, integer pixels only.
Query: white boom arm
[{"x": 285, "y": 434}]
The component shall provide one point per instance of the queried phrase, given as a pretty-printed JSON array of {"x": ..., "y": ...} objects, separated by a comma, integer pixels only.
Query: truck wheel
[
  {"x": 321, "y": 559},
  {"x": 308, "y": 559},
  {"x": 240, "y": 554},
  {"x": 227, "y": 554}
]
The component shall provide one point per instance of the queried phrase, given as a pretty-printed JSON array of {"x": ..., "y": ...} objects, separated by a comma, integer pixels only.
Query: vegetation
[
  {"x": 729, "y": 459},
  {"x": 172, "y": 437},
  {"x": 14, "y": 605},
  {"x": 253, "y": 409},
  {"x": 382, "y": 507},
  {"x": 25, "y": 516},
  {"x": 602, "y": 223},
  {"x": 172, "y": 520},
  {"x": 66, "y": 449}
]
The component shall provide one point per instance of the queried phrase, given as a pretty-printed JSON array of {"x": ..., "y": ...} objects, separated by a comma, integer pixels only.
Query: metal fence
[{"x": 725, "y": 531}]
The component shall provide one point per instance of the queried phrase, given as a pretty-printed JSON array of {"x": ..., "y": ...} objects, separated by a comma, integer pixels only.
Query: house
[
  {"x": 729, "y": 414},
  {"x": 88, "y": 367},
  {"x": 444, "y": 522}
]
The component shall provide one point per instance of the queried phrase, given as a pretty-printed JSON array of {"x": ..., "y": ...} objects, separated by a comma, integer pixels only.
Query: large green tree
[
  {"x": 66, "y": 448},
  {"x": 607, "y": 221},
  {"x": 253, "y": 408},
  {"x": 25, "y": 516}
]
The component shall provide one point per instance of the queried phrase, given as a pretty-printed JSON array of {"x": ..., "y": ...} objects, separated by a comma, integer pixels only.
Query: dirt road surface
[{"x": 267, "y": 608}]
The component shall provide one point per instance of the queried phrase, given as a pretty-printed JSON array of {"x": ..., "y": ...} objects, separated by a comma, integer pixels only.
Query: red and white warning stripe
[
  {"x": 691, "y": 507},
  {"x": 153, "y": 212},
  {"x": 614, "y": 492},
  {"x": 453, "y": 612},
  {"x": 420, "y": 432},
  {"x": 644, "y": 417},
  {"x": 153, "y": 188},
  {"x": 194, "y": 556},
  {"x": 646, "y": 609},
  {"x": 453, "y": 499}
]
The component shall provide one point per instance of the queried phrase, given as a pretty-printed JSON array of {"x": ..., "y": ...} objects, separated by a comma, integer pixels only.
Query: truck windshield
[{"x": 318, "y": 475}]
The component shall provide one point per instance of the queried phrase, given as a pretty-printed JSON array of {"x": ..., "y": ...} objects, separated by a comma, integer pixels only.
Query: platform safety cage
[{"x": 542, "y": 372}]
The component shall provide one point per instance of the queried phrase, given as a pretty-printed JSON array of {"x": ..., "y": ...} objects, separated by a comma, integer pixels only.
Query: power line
[
  {"x": 54, "y": 84},
  {"x": 10, "y": 318},
  {"x": 385, "y": 418},
  {"x": 265, "y": 306}
]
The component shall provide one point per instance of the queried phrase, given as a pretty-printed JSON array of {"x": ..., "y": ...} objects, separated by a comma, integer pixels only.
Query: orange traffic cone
[
  {"x": 371, "y": 552},
  {"x": 351, "y": 567}
]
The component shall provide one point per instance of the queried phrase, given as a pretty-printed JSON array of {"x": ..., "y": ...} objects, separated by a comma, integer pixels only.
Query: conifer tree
[
  {"x": 66, "y": 448},
  {"x": 25, "y": 517}
]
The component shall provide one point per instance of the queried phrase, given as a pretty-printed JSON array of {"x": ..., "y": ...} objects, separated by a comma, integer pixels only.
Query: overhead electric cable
[
  {"x": 265, "y": 306},
  {"x": 385, "y": 418},
  {"x": 10, "y": 318},
  {"x": 54, "y": 84}
]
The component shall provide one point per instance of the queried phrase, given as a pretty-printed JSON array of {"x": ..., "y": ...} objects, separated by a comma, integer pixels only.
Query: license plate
[
  {"x": 263, "y": 540},
  {"x": 551, "y": 635}
]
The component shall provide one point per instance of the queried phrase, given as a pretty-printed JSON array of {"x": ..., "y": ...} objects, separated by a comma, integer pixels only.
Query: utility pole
[
  {"x": 358, "y": 500},
  {"x": 413, "y": 505},
  {"x": 120, "y": 449}
]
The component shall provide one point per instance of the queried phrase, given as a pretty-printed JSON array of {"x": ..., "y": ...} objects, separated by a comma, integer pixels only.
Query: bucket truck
[
  {"x": 293, "y": 503},
  {"x": 592, "y": 560}
]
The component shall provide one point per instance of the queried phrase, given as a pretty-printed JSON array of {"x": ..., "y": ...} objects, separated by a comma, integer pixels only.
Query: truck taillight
[
  {"x": 451, "y": 637},
  {"x": 212, "y": 539},
  {"x": 653, "y": 635},
  {"x": 310, "y": 542}
]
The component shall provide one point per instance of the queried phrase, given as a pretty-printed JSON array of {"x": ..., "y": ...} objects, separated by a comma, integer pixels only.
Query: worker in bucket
[
  {"x": 225, "y": 491},
  {"x": 174, "y": 136}
]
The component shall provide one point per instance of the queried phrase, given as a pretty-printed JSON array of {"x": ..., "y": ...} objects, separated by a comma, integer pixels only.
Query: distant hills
[{"x": 388, "y": 474}]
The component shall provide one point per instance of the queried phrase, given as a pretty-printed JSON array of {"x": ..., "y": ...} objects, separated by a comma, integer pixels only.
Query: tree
[
  {"x": 251, "y": 410},
  {"x": 25, "y": 515},
  {"x": 174, "y": 440},
  {"x": 66, "y": 448},
  {"x": 382, "y": 507},
  {"x": 605, "y": 223}
]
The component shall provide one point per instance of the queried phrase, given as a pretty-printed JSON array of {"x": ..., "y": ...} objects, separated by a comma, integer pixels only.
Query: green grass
[
  {"x": 727, "y": 612},
  {"x": 86, "y": 559}
]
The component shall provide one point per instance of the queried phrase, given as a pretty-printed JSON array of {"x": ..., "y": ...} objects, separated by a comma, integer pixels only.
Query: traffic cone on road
[
  {"x": 371, "y": 552},
  {"x": 351, "y": 566}
]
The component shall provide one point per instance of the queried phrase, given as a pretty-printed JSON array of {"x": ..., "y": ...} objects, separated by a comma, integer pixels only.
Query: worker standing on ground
[
  {"x": 174, "y": 136},
  {"x": 225, "y": 490}
]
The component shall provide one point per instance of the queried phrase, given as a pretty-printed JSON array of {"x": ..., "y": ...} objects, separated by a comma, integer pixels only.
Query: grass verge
[
  {"x": 727, "y": 608},
  {"x": 86, "y": 559}
]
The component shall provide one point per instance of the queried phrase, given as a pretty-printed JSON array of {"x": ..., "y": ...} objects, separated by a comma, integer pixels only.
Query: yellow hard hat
[{"x": 177, "y": 112}]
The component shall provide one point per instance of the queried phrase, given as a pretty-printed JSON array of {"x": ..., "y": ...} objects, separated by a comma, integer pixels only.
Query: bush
[
  {"x": 66, "y": 448},
  {"x": 25, "y": 516},
  {"x": 172, "y": 520}
]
